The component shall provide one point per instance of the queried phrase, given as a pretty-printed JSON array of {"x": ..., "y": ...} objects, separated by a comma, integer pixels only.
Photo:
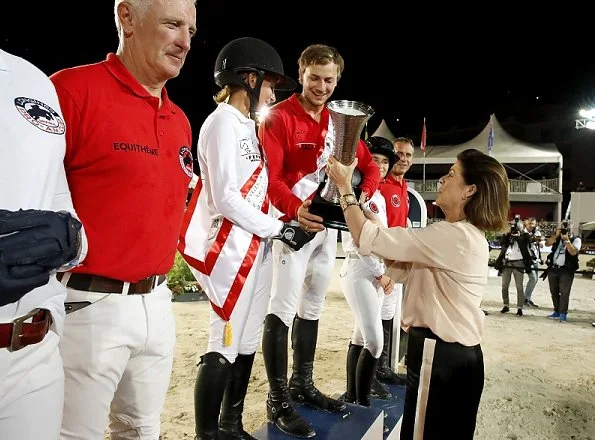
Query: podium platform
[
  {"x": 393, "y": 409},
  {"x": 355, "y": 422}
]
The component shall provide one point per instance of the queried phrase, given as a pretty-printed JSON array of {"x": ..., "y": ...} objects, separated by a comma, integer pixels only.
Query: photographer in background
[
  {"x": 562, "y": 263},
  {"x": 535, "y": 245},
  {"x": 514, "y": 259}
]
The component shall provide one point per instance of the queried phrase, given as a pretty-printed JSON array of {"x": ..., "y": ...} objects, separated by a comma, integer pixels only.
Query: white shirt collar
[{"x": 230, "y": 108}]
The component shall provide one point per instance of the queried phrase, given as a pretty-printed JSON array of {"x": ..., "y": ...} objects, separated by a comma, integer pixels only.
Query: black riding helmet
[
  {"x": 380, "y": 145},
  {"x": 249, "y": 54}
]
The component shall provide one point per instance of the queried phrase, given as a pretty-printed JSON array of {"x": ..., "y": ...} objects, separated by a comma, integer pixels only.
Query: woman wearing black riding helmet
[{"x": 227, "y": 231}]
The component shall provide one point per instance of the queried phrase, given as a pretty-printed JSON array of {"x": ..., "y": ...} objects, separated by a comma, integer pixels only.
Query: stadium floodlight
[{"x": 587, "y": 119}]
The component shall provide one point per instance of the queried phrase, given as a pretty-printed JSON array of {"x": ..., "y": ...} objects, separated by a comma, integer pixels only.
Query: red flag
[{"x": 423, "y": 137}]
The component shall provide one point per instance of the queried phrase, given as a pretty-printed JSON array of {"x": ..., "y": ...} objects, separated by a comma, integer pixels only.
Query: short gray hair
[{"x": 140, "y": 6}]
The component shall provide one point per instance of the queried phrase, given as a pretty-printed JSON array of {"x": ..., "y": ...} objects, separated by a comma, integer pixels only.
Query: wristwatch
[{"x": 348, "y": 200}]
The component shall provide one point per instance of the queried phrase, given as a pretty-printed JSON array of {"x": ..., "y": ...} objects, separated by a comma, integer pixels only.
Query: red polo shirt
[
  {"x": 293, "y": 141},
  {"x": 397, "y": 201},
  {"x": 128, "y": 163}
]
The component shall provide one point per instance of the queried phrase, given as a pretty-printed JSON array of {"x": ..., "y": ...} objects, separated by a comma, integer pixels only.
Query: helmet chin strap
[{"x": 254, "y": 93}]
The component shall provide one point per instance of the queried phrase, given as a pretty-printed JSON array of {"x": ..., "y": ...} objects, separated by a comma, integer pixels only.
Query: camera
[
  {"x": 516, "y": 226},
  {"x": 564, "y": 228},
  {"x": 537, "y": 234}
]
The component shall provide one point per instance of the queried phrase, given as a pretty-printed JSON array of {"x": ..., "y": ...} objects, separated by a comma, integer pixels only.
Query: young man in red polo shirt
[
  {"x": 394, "y": 190},
  {"x": 128, "y": 164},
  {"x": 298, "y": 142}
]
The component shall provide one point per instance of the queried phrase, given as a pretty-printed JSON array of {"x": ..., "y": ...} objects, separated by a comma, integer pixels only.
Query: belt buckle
[{"x": 17, "y": 328}]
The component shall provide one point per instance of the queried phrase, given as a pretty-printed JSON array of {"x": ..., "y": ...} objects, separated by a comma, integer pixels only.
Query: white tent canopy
[
  {"x": 384, "y": 131},
  {"x": 506, "y": 148}
]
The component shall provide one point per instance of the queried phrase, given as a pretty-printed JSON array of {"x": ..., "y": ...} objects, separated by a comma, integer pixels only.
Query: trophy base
[{"x": 331, "y": 213}]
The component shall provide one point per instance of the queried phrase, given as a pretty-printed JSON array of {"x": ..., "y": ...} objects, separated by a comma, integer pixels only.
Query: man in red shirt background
[{"x": 298, "y": 141}]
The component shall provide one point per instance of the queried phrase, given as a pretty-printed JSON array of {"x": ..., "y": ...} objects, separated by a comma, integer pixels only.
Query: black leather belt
[{"x": 96, "y": 283}]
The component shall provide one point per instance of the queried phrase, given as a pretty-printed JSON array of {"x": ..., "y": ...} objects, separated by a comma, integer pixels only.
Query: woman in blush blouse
[{"x": 445, "y": 266}]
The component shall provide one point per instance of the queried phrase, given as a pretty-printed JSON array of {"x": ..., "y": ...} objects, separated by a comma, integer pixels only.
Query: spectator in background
[
  {"x": 514, "y": 259},
  {"x": 535, "y": 245},
  {"x": 562, "y": 262}
]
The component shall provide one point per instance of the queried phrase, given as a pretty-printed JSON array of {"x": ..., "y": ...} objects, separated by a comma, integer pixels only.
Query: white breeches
[
  {"x": 118, "y": 355},
  {"x": 300, "y": 279},
  {"x": 247, "y": 318},
  {"x": 32, "y": 391},
  {"x": 365, "y": 296},
  {"x": 392, "y": 302}
]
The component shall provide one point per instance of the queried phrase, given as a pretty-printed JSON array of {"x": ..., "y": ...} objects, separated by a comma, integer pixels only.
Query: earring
[{"x": 464, "y": 198}]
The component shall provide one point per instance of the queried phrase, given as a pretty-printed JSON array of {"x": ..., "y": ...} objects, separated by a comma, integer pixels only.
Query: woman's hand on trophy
[
  {"x": 309, "y": 222},
  {"x": 341, "y": 174}
]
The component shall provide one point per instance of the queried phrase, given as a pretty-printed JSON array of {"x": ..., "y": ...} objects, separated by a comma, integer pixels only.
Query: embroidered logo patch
[
  {"x": 186, "y": 161},
  {"x": 289, "y": 234},
  {"x": 41, "y": 115},
  {"x": 395, "y": 200},
  {"x": 374, "y": 208},
  {"x": 299, "y": 136},
  {"x": 249, "y": 151}
]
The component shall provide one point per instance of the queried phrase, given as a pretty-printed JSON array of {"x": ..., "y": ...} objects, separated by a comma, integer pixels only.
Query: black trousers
[
  {"x": 444, "y": 387},
  {"x": 560, "y": 281}
]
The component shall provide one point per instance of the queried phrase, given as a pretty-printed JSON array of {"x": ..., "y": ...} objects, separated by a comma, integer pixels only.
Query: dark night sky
[{"x": 454, "y": 67}]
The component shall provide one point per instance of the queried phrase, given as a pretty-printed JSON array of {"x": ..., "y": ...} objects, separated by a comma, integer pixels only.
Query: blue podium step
[
  {"x": 393, "y": 409},
  {"x": 355, "y": 422}
]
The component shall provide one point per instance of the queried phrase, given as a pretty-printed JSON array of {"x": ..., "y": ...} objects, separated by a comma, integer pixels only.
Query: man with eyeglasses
[{"x": 394, "y": 190}]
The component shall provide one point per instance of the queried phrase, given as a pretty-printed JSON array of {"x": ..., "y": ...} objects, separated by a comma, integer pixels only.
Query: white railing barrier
[{"x": 514, "y": 186}]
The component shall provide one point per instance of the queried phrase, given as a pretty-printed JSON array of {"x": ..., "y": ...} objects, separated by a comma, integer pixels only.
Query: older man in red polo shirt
[{"x": 128, "y": 163}]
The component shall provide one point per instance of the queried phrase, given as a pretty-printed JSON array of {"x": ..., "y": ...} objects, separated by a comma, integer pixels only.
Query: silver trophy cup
[{"x": 349, "y": 119}]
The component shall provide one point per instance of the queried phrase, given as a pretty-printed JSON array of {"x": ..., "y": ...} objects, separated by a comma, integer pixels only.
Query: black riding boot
[
  {"x": 379, "y": 390},
  {"x": 301, "y": 385},
  {"x": 213, "y": 373},
  {"x": 366, "y": 368},
  {"x": 279, "y": 409},
  {"x": 230, "y": 422},
  {"x": 352, "y": 358},
  {"x": 384, "y": 372}
]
